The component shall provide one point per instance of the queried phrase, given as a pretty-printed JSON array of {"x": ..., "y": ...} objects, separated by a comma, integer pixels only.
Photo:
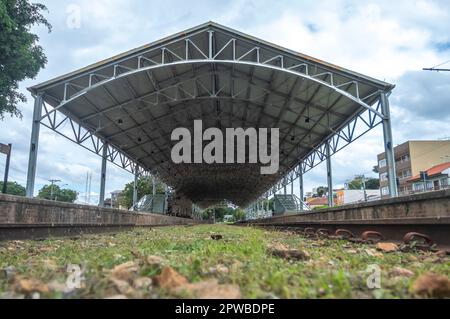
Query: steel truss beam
[
  {"x": 87, "y": 139},
  {"x": 339, "y": 140}
]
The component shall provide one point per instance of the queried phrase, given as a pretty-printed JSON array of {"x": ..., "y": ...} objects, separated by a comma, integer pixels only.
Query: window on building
[
  {"x": 382, "y": 163},
  {"x": 383, "y": 177},
  {"x": 405, "y": 173},
  {"x": 385, "y": 191},
  {"x": 418, "y": 187},
  {"x": 444, "y": 182},
  {"x": 403, "y": 159}
]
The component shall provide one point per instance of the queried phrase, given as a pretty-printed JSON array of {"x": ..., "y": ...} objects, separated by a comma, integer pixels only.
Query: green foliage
[
  {"x": 220, "y": 212},
  {"x": 322, "y": 190},
  {"x": 320, "y": 207},
  {"x": 14, "y": 188},
  {"x": 357, "y": 183},
  {"x": 238, "y": 214},
  {"x": 20, "y": 55},
  {"x": 54, "y": 192},
  {"x": 144, "y": 187},
  {"x": 373, "y": 183}
]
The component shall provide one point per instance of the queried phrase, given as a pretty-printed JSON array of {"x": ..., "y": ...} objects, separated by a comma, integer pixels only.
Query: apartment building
[{"x": 411, "y": 158}]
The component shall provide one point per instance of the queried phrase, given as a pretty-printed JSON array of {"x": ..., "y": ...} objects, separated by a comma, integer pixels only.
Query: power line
[{"x": 437, "y": 69}]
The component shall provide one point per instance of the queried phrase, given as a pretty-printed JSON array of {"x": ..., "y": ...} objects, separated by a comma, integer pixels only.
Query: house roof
[{"x": 435, "y": 170}]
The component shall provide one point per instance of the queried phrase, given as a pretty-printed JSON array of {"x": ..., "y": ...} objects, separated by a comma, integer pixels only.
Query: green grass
[{"x": 336, "y": 269}]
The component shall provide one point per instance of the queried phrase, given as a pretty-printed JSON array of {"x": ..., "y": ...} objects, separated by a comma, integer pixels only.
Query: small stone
[
  {"x": 155, "y": 260},
  {"x": 293, "y": 254},
  {"x": 432, "y": 285},
  {"x": 401, "y": 272},
  {"x": 28, "y": 286},
  {"x": 373, "y": 253},
  {"x": 124, "y": 271},
  {"x": 387, "y": 247},
  {"x": 142, "y": 283},
  {"x": 122, "y": 286},
  {"x": 56, "y": 286},
  {"x": 219, "y": 269},
  {"x": 169, "y": 278},
  {"x": 8, "y": 273}
]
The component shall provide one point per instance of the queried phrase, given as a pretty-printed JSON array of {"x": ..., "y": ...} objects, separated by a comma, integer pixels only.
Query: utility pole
[
  {"x": 363, "y": 184},
  {"x": 52, "y": 181}
]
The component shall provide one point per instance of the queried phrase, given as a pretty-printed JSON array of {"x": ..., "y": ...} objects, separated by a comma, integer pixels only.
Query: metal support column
[
  {"x": 8, "y": 159},
  {"x": 34, "y": 143},
  {"x": 135, "y": 187},
  {"x": 292, "y": 185},
  {"x": 153, "y": 192},
  {"x": 165, "y": 199},
  {"x": 329, "y": 177},
  {"x": 300, "y": 182},
  {"x": 389, "y": 145},
  {"x": 101, "y": 201}
]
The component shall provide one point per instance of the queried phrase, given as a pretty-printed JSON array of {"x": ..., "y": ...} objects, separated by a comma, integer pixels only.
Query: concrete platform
[
  {"x": 22, "y": 217},
  {"x": 427, "y": 213},
  {"x": 431, "y": 206}
]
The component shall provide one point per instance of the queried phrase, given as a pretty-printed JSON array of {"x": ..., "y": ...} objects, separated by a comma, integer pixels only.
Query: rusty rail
[{"x": 423, "y": 218}]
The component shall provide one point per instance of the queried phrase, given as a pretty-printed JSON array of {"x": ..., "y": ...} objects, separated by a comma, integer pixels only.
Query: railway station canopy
[{"x": 125, "y": 108}]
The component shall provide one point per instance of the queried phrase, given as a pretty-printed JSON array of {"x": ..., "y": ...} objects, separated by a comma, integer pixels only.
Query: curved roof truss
[{"x": 131, "y": 102}]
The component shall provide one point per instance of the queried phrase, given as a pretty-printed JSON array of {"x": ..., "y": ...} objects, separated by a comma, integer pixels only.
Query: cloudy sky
[{"x": 388, "y": 40}]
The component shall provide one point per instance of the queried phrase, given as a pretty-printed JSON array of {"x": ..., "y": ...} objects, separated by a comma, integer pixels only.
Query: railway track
[
  {"x": 423, "y": 233},
  {"x": 421, "y": 219},
  {"x": 31, "y": 218},
  {"x": 43, "y": 231}
]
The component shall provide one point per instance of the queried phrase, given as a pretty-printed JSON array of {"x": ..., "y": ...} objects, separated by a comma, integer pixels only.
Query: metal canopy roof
[{"x": 134, "y": 100}]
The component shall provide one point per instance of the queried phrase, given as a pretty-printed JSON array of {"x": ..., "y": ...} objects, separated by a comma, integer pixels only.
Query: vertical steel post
[
  {"x": 153, "y": 192},
  {"x": 389, "y": 145},
  {"x": 101, "y": 201},
  {"x": 300, "y": 182},
  {"x": 292, "y": 185},
  {"x": 165, "y": 199},
  {"x": 135, "y": 187},
  {"x": 5, "y": 178},
  {"x": 34, "y": 144},
  {"x": 329, "y": 176}
]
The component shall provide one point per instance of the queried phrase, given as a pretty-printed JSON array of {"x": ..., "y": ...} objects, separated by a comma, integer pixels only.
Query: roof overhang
[{"x": 134, "y": 100}]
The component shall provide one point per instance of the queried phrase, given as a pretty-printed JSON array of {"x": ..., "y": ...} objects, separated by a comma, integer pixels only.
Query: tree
[
  {"x": 14, "y": 188},
  {"x": 238, "y": 214},
  {"x": 20, "y": 55},
  {"x": 54, "y": 192},
  {"x": 371, "y": 183},
  {"x": 322, "y": 190},
  {"x": 144, "y": 187}
]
